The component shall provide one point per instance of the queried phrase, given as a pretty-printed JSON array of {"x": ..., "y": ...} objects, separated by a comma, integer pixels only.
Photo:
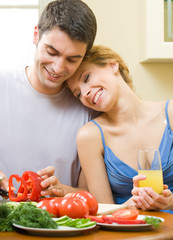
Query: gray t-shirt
[{"x": 38, "y": 130}]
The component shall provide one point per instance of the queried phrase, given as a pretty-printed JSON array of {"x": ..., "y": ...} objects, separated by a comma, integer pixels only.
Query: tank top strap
[
  {"x": 101, "y": 131},
  {"x": 166, "y": 112}
]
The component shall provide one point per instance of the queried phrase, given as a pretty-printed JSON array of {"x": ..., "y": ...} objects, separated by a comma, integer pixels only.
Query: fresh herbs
[
  {"x": 25, "y": 214},
  {"x": 153, "y": 220}
]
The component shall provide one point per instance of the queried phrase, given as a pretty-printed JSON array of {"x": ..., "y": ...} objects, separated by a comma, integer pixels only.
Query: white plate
[
  {"x": 60, "y": 231},
  {"x": 129, "y": 227}
]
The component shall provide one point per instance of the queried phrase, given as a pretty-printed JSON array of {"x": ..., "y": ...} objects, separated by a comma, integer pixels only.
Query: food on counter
[
  {"x": 77, "y": 222},
  {"x": 129, "y": 214},
  {"x": 30, "y": 188},
  {"x": 125, "y": 216},
  {"x": 89, "y": 199},
  {"x": 74, "y": 205},
  {"x": 25, "y": 214},
  {"x": 51, "y": 205}
]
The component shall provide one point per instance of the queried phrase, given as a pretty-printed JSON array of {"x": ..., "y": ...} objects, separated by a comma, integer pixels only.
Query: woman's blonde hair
[{"x": 101, "y": 56}]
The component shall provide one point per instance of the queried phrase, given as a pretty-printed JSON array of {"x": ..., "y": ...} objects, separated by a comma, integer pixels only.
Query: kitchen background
[{"x": 128, "y": 27}]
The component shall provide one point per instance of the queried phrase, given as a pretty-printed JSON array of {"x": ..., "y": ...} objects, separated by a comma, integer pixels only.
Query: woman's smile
[{"x": 97, "y": 96}]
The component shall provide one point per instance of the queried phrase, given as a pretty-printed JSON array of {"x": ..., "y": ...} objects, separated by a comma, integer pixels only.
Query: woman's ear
[
  {"x": 36, "y": 35},
  {"x": 114, "y": 67}
]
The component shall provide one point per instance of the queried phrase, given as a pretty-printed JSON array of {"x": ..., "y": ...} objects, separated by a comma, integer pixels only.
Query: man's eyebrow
[{"x": 54, "y": 49}]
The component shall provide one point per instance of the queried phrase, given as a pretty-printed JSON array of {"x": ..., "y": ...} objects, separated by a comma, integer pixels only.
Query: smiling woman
[{"x": 17, "y": 31}]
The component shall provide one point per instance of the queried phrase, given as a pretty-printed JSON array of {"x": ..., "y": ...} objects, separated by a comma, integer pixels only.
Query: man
[{"x": 39, "y": 118}]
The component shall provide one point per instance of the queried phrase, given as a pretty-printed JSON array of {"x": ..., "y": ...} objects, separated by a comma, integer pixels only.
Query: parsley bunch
[{"x": 25, "y": 214}]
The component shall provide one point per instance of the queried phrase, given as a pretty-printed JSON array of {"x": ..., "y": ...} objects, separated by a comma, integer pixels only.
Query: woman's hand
[
  {"x": 147, "y": 199},
  {"x": 50, "y": 184}
]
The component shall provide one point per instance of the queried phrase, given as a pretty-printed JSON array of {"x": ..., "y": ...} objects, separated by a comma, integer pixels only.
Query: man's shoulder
[{"x": 9, "y": 73}]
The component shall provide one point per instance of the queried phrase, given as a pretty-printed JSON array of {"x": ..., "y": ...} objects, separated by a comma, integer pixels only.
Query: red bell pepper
[
  {"x": 30, "y": 188},
  {"x": 22, "y": 192},
  {"x": 34, "y": 188},
  {"x": 97, "y": 219},
  {"x": 112, "y": 219}
]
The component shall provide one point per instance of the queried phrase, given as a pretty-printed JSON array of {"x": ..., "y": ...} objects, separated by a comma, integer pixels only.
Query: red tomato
[
  {"x": 56, "y": 201},
  {"x": 73, "y": 207},
  {"x": 51, "y": 205},
  {"x": 89, "y": 199},
  {"x": 126, "y": 214}
]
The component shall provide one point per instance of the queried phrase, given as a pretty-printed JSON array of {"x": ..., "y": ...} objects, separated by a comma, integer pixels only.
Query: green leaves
[
  {"x": 25, "y": 214},
  {"x": 153, "y": 220}
]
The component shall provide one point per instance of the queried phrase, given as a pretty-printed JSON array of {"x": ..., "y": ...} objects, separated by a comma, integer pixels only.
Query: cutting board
[{"x": 105, "y": 208}]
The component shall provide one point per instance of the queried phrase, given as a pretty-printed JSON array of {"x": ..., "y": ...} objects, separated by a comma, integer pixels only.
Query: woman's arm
[{"x": 90, "y": 150}]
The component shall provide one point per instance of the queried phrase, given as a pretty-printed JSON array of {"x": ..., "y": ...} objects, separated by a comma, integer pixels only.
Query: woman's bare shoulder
[
  {"x": 170, "y": 113},
  {"x": 88, "y": 132}
]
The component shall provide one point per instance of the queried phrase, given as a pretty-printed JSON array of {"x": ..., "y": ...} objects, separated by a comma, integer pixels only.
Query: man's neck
[{"x": 37, "y": 85}]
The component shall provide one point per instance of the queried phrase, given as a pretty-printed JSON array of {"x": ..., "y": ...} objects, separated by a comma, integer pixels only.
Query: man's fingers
[{"x": 48, "y": 171}]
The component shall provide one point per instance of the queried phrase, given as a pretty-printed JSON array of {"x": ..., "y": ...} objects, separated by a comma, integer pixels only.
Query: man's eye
[
  {"x": 51, "y": 54},
  {"x": 86, "y": 78},
  {"x": 72, "y": 60}
]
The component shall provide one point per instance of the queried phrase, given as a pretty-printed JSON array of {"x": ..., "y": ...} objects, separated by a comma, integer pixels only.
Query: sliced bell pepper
[
  {"x": 112, "y": 219},
  {"x": 22, "y": 191},
  {"x": 34, "y": 188}
]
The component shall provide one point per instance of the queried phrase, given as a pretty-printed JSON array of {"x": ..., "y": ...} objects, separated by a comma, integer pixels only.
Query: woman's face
[{"x": 95, "y": 86}]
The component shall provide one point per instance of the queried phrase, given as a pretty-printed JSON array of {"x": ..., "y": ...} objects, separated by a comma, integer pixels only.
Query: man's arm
[{"x": 53, "y": 187}]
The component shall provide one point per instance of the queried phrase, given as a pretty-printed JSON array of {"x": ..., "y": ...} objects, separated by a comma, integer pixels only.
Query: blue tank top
[{"x": 121, "y": 175}]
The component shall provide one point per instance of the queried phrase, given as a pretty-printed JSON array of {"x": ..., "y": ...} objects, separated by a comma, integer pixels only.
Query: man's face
[{"x": 57, "y": 57}]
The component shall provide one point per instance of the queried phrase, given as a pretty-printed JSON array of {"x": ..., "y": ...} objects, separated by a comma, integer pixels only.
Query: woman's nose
[{"x": 88, "y": 92}]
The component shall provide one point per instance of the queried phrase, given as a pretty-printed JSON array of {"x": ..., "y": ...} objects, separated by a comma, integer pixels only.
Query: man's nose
[{"x": 59, "y": 65}]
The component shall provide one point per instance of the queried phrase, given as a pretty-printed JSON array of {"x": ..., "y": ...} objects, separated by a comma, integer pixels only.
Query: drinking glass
[{"x": 149, "y": 164}]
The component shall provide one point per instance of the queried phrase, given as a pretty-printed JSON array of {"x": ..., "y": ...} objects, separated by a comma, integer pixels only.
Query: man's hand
[
  {"x": 50, "y": 184},
  {"x": 4, "y": 181}
]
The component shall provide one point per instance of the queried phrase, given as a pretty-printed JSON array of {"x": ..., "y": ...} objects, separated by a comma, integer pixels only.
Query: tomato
[
  {"x": 51, "y": 205},
  {"x": 89, "y": 199},
  {"x": 73, "y": 207},
  {"x": 126, "y": 214},
  {"x": 56, "y": 201}
]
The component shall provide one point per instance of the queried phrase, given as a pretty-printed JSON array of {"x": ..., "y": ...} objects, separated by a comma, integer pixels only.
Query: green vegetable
[
  {"x": 25, "y": 214},
  {"x": 153, "y": 220},
  {"x": 77, "y": 223}
]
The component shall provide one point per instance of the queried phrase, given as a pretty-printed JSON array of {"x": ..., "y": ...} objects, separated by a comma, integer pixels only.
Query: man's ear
[
  {"x": 114, "y": 67},
  {"x": 36, "y": 35}
]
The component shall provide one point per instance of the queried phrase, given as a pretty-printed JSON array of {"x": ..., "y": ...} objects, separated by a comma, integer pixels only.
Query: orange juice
[{"x": 154, "y": 179}]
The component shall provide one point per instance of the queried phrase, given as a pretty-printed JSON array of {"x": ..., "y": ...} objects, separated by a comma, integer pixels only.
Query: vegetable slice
[{"x": 22, "y": 191}]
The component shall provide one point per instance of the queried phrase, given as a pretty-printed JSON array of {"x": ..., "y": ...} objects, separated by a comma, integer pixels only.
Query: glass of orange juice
[{"x": 149, "y": 164}]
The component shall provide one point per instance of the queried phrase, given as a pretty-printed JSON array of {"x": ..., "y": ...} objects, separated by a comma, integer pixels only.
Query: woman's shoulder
[
  {"x": 170, "y": 113},
  {"x": 88, "y": 132}
]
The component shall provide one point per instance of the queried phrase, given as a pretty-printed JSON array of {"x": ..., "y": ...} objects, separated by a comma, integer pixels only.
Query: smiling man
[{"x": 39, "y": 117}]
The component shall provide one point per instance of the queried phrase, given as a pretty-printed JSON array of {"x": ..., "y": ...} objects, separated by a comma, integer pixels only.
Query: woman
[{"x": 108, "y": 145}]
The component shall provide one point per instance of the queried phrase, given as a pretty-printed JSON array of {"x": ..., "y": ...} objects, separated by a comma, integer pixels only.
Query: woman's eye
[
  {"x": 86, "y": 78},
  {"x": 78, "y": 95}
]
